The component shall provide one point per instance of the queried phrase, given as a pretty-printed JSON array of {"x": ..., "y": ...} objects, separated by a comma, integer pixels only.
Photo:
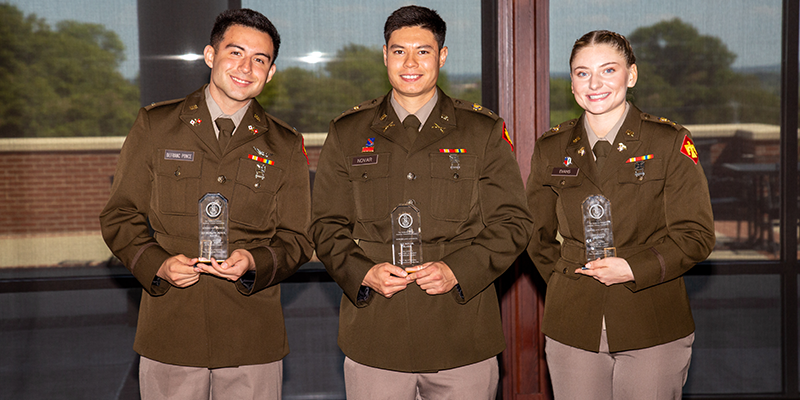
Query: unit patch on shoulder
[
  {"x": 688, "y": 149},
  {"x": 507, "y": 137},
  {"x": 303, "y": 145}
]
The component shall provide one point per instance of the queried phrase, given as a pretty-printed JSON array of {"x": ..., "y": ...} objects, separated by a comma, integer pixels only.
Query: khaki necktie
[
  {"x": 226, "y": 128},
  {"x": 601, "y": 150},
  {"x": 411, "y": 123}
]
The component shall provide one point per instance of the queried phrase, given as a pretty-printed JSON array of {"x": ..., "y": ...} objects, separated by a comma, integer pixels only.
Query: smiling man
[
  {"x": 429, "y": 327},
  {"x": 211, "y": 325}
]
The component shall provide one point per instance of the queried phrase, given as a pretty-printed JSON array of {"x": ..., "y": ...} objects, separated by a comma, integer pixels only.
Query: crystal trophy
[
  {"x": 599, "y": 238},
  {"x": 406, "y": 240},
  {"x": 213, "y": 227}
]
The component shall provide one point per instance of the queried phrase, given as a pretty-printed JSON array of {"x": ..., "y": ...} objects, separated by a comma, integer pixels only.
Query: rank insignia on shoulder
[
  {"x": 688, "y": 149},
  {"x": 476, "y": 107},
  {"x": 370, "y": 146}
]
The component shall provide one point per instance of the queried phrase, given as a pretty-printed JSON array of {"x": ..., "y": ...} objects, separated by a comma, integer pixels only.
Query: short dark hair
[
  {"x": 610, "y": 38},
  {"x": 410, "y": 16},
  {"x": 247, "y": 18}
]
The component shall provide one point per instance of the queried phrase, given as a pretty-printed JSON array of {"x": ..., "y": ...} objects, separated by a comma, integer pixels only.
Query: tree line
[{"x": 65, "y": 81}]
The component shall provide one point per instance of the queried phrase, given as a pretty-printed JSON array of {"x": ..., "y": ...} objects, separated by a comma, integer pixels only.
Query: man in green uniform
[
  {"x": 432, "y": 328},
  {"x": 213, "y": 328}
]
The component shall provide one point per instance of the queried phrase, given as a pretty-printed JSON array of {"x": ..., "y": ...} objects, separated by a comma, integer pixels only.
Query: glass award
[
  {"x": 406, "y": 239},
  {"x": 213, "y": 227},
  {"x": 599, "y": 238}
]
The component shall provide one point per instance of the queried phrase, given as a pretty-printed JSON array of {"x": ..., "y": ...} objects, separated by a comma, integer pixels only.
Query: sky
[{"x": 750, "y": 28}]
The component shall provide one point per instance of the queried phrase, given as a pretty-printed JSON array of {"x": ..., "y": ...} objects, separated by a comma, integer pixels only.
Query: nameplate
[
  {"x": 565, "y": 171},
  {"x": 365, "y": 160},
  {"x": 178, "y": 155}
]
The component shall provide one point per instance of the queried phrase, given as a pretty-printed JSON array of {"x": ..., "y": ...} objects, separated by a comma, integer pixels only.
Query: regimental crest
[{"x": 370, "y": 146}]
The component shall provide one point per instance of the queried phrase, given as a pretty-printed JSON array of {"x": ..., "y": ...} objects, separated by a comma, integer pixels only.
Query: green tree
[
  {"x": 310, "y": 99},
  {"x": 688, "y": 77},
  {"x": 562, "y": 103},
  {"x": 62, "y": 82}
]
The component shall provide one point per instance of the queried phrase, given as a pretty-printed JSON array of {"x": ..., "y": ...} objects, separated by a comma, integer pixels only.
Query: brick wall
[
  {"x": 45, "y": 190},
  {"x": 52, "y": 191}
]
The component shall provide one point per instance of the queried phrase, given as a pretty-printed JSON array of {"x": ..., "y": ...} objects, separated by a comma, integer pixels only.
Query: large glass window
[
  {"x": 331, "y": 56},
  {"x": 70, "y": 88},
  {"x": 715, "y": 67}
]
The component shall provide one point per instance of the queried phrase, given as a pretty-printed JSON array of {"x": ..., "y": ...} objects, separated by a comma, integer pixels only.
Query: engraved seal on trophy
[
  {"x": 406, "y": 239},
  {"x": 213, "y": 227},
  {"x": 214, "y": 209},
  {"x": 598, "y": 235},
  {"x": 405, "y": 220}
]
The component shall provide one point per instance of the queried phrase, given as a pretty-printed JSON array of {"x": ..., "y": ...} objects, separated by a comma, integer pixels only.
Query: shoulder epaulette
[
  {"x": 661, "y": 120},
  {"x": 562, "y": 127},
  {"x": 361, "y": 107},
  {"x": 466, "y": 105},
  {"x": 162, "y": 103},
  {"x": 282, "y": 123}
]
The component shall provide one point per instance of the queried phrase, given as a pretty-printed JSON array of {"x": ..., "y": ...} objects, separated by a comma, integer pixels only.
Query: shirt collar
[
  {"x": 612, "y": 134},
  {"x": 422, "y": 114},
  {"x": 216, "y": 111}
]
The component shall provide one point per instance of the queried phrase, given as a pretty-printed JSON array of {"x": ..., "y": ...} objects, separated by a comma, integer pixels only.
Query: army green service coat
[
  {"x": 474, "y": 218},
  {"x": 170, "y": 159},
  {"x": 662, "y": 225}
]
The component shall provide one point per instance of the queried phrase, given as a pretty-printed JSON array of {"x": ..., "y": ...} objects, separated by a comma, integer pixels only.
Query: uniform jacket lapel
[
  {"x": 626, "y": 144},
  {"x": 439, "y": 124},
  {"x": 386, "y": 123},
  {"x": 253, "y": 125},
  {"x": 580, "y": 151},
  {"x": 197, "y": 118}
]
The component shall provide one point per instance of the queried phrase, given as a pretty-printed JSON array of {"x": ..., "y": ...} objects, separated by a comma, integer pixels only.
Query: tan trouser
[
  {"x": 475, "y": 381},
  {"x": 657, "y": 372},
  {"x": 159, "y": 381}
]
